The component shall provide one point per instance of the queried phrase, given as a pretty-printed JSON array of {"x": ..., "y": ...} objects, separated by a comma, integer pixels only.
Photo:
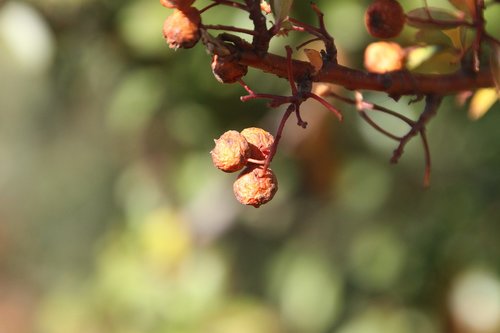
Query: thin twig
[
  {"x": 432, "y": 103},
  {"x": 229, "y": 28}
]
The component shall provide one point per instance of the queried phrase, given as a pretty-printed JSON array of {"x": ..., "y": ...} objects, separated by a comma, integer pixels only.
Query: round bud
[
  {"x": 382, "y": 57},
  {"x": 176, "y": 3},
  {"x": 260, "y": 142},
  {"x": 384, "y": 18},
  {"x": 231, "y": 152},
  {"x": 181, "y": 29},
  {"x": 227, "y": 71},
  {"x": 255, "y": 187}
]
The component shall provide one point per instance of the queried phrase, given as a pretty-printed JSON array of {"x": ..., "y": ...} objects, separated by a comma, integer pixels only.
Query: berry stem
[
  {"x": 277, "y": 137},
  {"x": 225, "y": 3},
  {"x": 327, "y": 105},
  {"x": 229, "y": 28}
]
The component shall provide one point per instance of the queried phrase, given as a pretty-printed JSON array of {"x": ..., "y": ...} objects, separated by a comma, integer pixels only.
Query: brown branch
[
  {"x": 262, "y": 35},
  {"x": 394, "y": 83}
]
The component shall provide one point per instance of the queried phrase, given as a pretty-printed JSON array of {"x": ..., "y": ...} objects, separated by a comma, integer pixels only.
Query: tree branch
[{"x": 394, "y": 83}]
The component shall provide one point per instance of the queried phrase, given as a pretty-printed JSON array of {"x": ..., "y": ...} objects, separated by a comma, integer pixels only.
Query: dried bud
[
  {"x": 226, "y": 70},
  {"x": 181, "y": 29},
  {"x": 265, "y": 7},
  {"x": 231, "y": 152},
  {"x": 255, "y": 187},
  {"x": 176, "y": 3},
  {"x": 260, "y": 142},
  {"x": 381, "y": 57},
  {"x": 384, "y": 18}
]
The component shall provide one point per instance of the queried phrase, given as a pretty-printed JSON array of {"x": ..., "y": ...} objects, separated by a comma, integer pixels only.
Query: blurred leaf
[
  {"x": 304, "y": 282},
  {"x": 315, "y": 59},
  {"x": 135, "y": 100},
  {"x": 457, "y": 36},
  {"x": 141, "y": 35},
  {"x": 381, "y": 318},
  {"x": 481, "y": 102},
  {"x": 376, "y": 259},
  {"x": 433, "y": 37},
  {"x": 466, "y": 6},
  {"x": 362, "y": 186},
  {"x": 419, "y": 55},
  {"x": 165, "y": 238},
  {"x": 281, "y": 9},
  {"x": 495, "y": 64},
  {"x": 244, "y": 316},
  {"x": 433, "y": 59},
  {"x": 432, "y": 18}
]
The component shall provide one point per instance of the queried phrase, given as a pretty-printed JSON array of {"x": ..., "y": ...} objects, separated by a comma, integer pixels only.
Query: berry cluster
[
  {"x": 249, "y": 149},
  {"x": 253, "y": 149},
  {"x": 182, "y": 28}
]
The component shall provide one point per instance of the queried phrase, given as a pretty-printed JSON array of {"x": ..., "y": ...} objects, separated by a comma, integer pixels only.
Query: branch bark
[{"x": 394, "y": 83}]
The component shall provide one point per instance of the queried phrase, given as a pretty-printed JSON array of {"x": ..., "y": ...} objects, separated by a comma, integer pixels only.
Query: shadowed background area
[{"x": 113, "y": 219}]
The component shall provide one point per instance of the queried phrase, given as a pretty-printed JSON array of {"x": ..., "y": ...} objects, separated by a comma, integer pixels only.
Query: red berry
[
  {"x": 231, "y": 152},
  {"x": 255, "y": 187},
  {"x": 226, "y": 70},
  {"x": 182, "y": 28},
  {"x": 384, "y": 18},
  {"x": 260, "y": 142}
]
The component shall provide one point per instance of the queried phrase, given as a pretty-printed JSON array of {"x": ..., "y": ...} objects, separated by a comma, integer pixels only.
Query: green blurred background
[{"x": 113, "y": 219}]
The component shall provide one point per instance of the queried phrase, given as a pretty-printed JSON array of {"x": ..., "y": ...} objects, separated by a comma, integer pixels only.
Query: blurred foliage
[{"x": 112, "y": 218}]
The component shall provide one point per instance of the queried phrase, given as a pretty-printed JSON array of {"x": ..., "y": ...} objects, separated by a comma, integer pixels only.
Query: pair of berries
[
  {"x": 234, "y": 151},
  {"x": 182, "y": 28},
  {"x": 384, "y": 19}
]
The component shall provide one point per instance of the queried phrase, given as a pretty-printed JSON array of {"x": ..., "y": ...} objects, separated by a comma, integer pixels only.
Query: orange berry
[
  {"x": 176, "y": 3},
  {"x": 384, "y": 18},
  {"x": 181, "y": 29},
  {"x": 260, "y": 142},
  {"x": 227, "y": 71},
  {"x": 382, "y": 57},
  {"x": 231, "y": 152},
  {"x": 255, "y": 187}
]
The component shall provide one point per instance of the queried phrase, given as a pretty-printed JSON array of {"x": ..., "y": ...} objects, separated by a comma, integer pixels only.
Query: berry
[
  {"x": 226, "y": 70},
  {"x": 255, "y": 187},
  {"x": 381, "y": 57},
  {"x": 384, "y": 18},
  {"x": 176, "y": 3},
  {"x": 182, "y": 28},
  {"x": 231, "y": 152},
  {"x": 260, "y": 142}
]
